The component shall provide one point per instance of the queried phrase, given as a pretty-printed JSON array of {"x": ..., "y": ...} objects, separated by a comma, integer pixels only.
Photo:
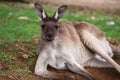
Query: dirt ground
[
  {"x": 107, "y": 6},
  {"x": 91, "y": 3},
  {"x": 29, "y": 49}
]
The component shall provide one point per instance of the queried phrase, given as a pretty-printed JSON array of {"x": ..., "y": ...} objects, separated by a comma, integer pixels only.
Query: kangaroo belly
[{"x": 58, "y": 63}]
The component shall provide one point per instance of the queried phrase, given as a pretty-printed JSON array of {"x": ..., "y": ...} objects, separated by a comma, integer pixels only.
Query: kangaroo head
[{"x": 49, "y": 27}]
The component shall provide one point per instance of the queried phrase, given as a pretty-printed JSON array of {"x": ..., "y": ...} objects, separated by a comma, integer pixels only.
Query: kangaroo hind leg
[
  {"x": 99, "y": 64},
  {"x": 94, "y": 44}
]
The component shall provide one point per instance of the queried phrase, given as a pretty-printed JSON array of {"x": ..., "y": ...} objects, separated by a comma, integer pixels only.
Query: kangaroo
[{"x": 71, "y": 46}]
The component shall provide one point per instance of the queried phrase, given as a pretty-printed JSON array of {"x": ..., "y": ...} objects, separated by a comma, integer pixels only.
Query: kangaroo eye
[{"x": 43, "y": 26}]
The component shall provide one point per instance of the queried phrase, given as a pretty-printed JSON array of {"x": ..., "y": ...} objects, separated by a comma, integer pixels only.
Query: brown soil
[
  {"x": 18, "y": 49},
  {"x": 107, "y": 6},
  {"x": 91, "y": 3}
]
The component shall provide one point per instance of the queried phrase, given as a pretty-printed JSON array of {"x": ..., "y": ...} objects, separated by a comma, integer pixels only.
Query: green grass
[
  {"x": 4, "y": 57},
  {"x": 13, "y": 29}
]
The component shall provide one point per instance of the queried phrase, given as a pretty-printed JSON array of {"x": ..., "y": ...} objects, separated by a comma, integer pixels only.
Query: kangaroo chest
[{"x": 56, "y": 59}]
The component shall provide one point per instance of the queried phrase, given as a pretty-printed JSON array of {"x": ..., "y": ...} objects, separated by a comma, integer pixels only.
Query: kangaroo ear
[
  {"x": 60, "y": 12},
  {"x": 40, "y": 11}
]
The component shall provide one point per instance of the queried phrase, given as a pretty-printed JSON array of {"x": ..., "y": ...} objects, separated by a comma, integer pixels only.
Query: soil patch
[{"x": 108, "y": 6}]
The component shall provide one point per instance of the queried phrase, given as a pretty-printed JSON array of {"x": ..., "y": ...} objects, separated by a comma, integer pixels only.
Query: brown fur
[
  {"x": 68, "y": 30},
  {"x": 84, "y": 26}
]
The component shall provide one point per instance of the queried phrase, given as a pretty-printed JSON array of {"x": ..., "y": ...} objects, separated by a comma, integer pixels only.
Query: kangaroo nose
[{"x": 50, "y": 38}]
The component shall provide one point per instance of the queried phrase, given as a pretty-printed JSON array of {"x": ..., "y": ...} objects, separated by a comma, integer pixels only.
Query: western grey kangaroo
[{"x": 71, "y": 46}]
